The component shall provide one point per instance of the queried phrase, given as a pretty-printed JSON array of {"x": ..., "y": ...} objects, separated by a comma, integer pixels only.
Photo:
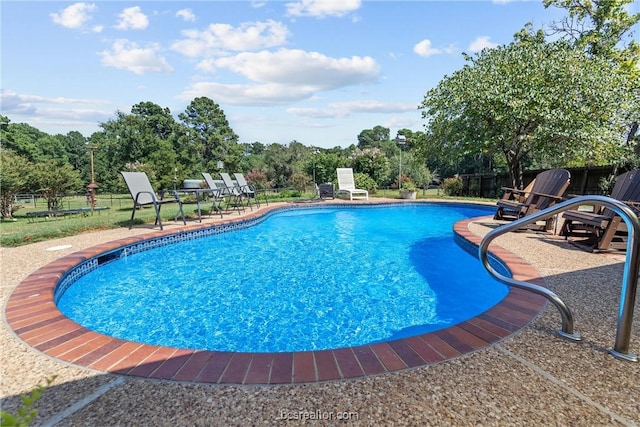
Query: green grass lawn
[{"x": 23, "y": 231}]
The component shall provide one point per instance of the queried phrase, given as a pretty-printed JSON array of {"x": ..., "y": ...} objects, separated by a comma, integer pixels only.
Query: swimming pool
[{"x": 298, "y": 280}]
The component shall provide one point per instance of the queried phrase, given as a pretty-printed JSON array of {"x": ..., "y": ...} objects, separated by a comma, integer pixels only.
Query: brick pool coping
[{"x": 34, "y": 317}]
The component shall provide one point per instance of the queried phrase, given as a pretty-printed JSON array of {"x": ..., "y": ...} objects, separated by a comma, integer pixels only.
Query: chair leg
[
  {"x": 606, "y": 237},
  {"x": 158, "y": 219},
  {"x": 215, "y": 207},
  {"x": 133, "y": 213},
  {"x": 498, "y": 214},
  {"x": 184, "y": 221},
  {"x": 566, "y": 229}
]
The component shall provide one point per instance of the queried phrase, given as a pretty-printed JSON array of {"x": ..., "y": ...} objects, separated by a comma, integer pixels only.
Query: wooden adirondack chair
[
  {"x": 547, "y": 189},
  {"x": 601, "y": 229}
]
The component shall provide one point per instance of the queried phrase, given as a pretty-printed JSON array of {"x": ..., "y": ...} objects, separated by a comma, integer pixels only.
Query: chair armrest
[
  {"x": 153, "y": 196},
  {"x": 633, "y": 205},
  {"x": 552, "y": 196},
  {"x": 513, "y": 190}
]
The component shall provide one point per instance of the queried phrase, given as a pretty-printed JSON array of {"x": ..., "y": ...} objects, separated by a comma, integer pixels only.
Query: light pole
[
  {"x": 401, "y": 140},
  {"x": 175, "y": 179},
  {"x": 93, "y": 186},
  {"x": 315, "y": 186}
]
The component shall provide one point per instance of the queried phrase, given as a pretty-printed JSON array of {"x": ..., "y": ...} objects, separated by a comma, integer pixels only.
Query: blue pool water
[{"x": 303, "y": 279}]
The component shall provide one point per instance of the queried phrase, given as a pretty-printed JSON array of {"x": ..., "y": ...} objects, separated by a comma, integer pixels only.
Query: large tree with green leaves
[
  {"x": 606, "y": 28},
  {"x": 530, "y": 99},
  {"x": 55, "y": 180},
  {"x": 601, "y": 28},
  {"x": 210, "y": 135},
  {"x": 146, "y": 137},
  {"x": 373, "y": 137},
  {"x": 14, "y": 179}
]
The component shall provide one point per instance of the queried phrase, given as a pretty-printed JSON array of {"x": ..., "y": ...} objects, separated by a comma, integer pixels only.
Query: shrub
[
  {"x": 258, "y": 179},
  {"x": 300, "y": 181},
  {"x": 286, "y": 194},
  {"x": 452, "y": 186},
  {"x": 365, "y": 182},
  {"x": 26, "y": 413},
  {"x": 408, "y": 185}
]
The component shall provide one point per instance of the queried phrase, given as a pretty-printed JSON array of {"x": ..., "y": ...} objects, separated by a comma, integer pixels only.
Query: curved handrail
[{"x": 629, "y": 280}]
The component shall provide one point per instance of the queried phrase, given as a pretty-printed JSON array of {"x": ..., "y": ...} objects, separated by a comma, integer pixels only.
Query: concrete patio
[{"x": 530, "y": 378}]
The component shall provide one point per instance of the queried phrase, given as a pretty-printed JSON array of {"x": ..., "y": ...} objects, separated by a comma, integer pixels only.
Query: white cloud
[
  {"x": 132, "y": 18},
  {"x": 346, "y": 109},
  {"x": 300, "y": 68},
  {"x": 40, "y": 110},
  {"x": 11, "y": 99},
  {"x": 282, "y": 77},
  {"x": 74, "y": 16},
  {"x": 317, "y": 113},
  {"x": 425, "y": 49},
  {"x": 247, "y": 94},
  {"x": 128, "y": 56},
  {"x": 480, "y": 43},
  {"x": 370, "y": 106},
  {"x": 218, "y": 38},
  {"x": 322, "y": 8},
  {"x": 451, "y": 49},
  {"x": 186, "y": 15}
]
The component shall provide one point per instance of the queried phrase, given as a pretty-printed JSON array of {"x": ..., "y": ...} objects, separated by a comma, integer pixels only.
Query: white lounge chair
[
  {"x": 347, "y": 185},
  {"x": 142, "y": 194}
]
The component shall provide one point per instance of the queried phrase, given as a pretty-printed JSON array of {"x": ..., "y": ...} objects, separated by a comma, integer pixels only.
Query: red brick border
[{"x": 34, "y": 317}]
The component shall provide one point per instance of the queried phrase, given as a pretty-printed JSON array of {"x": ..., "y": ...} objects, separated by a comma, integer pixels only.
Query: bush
[
  {"x": 408, "y": 185},
  {"x": 365, "y": 182},
  {"x": 300, "y": 181},
  {"x": 258, "y": 179},
  {"x": 452, "y": 186},
  {"x": 286, "y": 194},
  {"x": 26, "y": 412}
]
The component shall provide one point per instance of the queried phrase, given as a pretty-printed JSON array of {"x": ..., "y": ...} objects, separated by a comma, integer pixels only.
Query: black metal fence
[{"x": 585, "y": 180}]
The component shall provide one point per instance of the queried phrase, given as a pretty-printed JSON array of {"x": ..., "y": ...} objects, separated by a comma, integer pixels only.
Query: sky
[{"x": 314, "y": 71}]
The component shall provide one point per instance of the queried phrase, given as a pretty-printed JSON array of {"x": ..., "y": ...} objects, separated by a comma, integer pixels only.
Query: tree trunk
[{"x": 515, "y": 169}]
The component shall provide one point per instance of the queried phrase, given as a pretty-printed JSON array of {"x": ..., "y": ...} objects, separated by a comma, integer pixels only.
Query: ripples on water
[{"x": 301, "y": 280}]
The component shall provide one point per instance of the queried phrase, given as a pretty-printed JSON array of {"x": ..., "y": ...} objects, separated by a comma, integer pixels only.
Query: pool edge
[{"x": 32, "y": 315}]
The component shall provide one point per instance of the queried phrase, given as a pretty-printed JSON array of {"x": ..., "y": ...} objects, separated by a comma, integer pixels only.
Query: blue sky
[{"x": 318, "y": 72}]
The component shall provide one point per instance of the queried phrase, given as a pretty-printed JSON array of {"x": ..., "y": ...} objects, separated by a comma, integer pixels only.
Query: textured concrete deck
[{"x": 530, "y": 378}]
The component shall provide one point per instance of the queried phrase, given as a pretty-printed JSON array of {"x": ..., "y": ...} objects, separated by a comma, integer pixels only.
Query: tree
[
  {"x": 373, "y": 137},
  {"x": 530, "y": 99},
  {"x": 56, "y": 180},
  {"x": 75, "y": 147},
  {"x": 279, "y": 164},
  {"x": 372, "y": 162},
  {"x": 210, "y": 135},
  {"x": 14, "y": 178},
  {"x": 23, "y": 139},
  {"x": 605, "y": 28},
  {"x": 146, "y": 136},
  {"x": 326, "y": 162},
  {"x": 600, "y": 27}
]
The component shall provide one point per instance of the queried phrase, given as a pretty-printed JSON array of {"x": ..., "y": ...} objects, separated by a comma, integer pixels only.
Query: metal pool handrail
[{"x": 629, "y": 279}]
